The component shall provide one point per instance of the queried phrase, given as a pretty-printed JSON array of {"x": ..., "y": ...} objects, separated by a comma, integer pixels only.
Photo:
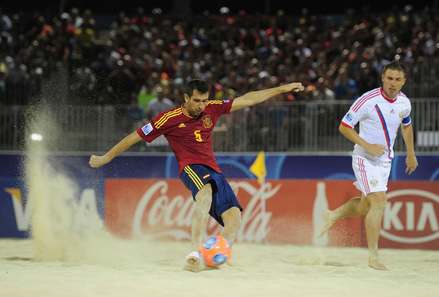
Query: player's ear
[
  {"x": 186, "y": 98},
  {"x": 403, "y": 81}
]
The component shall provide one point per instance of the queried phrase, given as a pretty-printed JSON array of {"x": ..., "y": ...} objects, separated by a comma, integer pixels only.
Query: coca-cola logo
[
  {"x": 174, "y": 214},
  {"x": 411, "y": 216}
]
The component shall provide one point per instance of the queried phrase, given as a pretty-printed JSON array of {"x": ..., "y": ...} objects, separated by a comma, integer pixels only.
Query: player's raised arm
[
  {"x": 255, "y": 97},
  {"x": 123, "y": 145}
]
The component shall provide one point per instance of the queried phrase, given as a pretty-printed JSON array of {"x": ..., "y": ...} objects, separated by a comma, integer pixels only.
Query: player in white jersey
[{"x": 380, "y": 113}]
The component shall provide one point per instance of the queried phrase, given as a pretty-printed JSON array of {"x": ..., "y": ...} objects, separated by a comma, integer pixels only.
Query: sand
[{"x": 115, "y": 267}]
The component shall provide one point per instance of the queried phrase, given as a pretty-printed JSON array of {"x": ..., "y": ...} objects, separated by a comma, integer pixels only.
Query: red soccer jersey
[{"x": 190, "y": 138}]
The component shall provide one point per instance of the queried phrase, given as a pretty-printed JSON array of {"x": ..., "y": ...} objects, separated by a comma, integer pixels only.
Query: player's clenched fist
[{"x": 97, "y": 161}]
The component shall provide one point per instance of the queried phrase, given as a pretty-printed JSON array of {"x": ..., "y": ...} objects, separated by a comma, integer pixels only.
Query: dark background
[{"x": 199, "y": 6}]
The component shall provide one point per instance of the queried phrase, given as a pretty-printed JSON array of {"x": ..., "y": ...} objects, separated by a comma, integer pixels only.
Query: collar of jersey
[{"x": 384, "y": 96}]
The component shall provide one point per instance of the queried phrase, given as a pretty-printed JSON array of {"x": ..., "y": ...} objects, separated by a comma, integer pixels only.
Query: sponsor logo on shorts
[
  {"x": 374, "y": 183},
  {"x": 147, "y": 128},
  {"x": 349, "y": 116}
]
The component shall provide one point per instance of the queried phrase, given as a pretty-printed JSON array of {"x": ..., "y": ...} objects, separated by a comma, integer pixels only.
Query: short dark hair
[
  {"x": 394, "y": 65},
  {"x": 197, "y": 84}
]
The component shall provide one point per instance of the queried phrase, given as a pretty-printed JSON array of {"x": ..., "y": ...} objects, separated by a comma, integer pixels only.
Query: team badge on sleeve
[
  {"x": 349, "y": 116},
  {"x": 147, "y": 128}
]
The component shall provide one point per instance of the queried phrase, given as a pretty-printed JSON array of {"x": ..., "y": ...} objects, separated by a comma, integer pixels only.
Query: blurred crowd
[{"x": 137, "y": 58}]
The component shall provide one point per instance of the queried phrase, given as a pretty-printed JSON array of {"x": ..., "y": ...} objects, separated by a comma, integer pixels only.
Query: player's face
[
  {"x": 393, "y": 80},
  {"x": 196, "y": 104}
]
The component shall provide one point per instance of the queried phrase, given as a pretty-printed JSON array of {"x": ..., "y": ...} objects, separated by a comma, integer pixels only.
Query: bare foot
[
  {"x": 198, "y": 266},
  {"x": 377, "y": 265},
  {"x": 195, "y": 264},
  {"x": 328, "y": 221},
  {"x": 193, "y": 257}
]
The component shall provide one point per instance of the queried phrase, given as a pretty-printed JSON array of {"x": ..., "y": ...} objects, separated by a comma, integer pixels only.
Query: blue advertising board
[{"x": 15, "y": 213}]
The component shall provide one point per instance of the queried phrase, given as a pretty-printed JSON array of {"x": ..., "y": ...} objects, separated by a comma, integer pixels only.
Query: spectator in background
[
  {"x": 83, "y": 84},
  {"x": 155, "y": 106},
  {"x": 5, "y": 21},
  {"x": 345, "y": 88},
  {"x": 3, "y": 78},
  {"x": 76, "y": 17},
  {"x": 368, "y": 77},
  {"x": 135, "y": 115},
  {"x": 120, "y": 84},
  {"x": 85, "y": 35},
  {"x": 225, "y": 91},
  {"x": 158, "y": 104},
  {"x": 278, "y": 122},
  {"x": 327, "y": 117},
  {"x": 146, "y": 94},
  {"x": 379, "y": 60},
  {"x": 322, "y": 92}
]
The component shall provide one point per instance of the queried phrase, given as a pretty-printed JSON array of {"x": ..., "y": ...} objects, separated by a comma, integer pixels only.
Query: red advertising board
[
  {"x": 411, "y": 216},
  {"x": 280, "y": 211}
]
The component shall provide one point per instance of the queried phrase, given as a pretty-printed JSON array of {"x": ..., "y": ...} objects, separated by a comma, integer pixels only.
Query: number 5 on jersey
[{"x": 198, "y": 135}]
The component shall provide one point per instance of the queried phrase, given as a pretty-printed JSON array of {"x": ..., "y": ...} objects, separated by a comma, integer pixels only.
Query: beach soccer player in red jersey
[{"x": 188, "y": 129}]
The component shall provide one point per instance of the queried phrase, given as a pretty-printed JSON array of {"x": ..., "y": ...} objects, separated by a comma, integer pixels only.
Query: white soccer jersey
[{"x": 380, "y": 119}]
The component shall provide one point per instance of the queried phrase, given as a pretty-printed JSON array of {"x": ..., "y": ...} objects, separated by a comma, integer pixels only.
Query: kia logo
[{"x": 411, "y": 216}]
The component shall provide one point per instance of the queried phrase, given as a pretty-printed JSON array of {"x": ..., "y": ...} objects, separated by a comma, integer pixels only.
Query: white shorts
[{"x": 371, "y": 177}]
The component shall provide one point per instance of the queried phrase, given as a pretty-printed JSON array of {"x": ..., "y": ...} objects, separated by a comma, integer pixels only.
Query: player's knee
[
  {"x": 235, "y": 221},
  {"x": 378, "y": 200},
  {"x": 232, "y": 219},
  {"x": 204, "y": 197}
]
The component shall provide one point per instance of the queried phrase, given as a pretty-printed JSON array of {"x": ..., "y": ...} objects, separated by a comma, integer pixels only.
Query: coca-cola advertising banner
[{"x": 278, "y": 211}]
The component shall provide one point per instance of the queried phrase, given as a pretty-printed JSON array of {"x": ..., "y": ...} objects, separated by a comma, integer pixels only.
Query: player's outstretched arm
[
  {"x": 123, "y": 145},
  {"x": 255, "y": 97}
]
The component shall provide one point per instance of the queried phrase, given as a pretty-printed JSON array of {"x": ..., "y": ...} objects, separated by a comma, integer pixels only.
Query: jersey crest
[{"x": 207, "y": 121}]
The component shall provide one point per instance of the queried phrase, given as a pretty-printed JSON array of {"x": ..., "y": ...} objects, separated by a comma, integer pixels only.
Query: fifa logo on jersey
[
  {"x": 147, "y": 128},
  {"x": 349, "y": 116},
  {"x": 207, "y": 121}
]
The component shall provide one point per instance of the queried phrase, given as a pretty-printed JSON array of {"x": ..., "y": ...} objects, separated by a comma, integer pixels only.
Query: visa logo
[
  {"x": 85, "y": 213},
  {"x": 22, "y": 213}
]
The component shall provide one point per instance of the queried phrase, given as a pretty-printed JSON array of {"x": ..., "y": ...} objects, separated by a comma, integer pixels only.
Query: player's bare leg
[
  {"x": 354, "y": 207},
  {"x": 232, "y": 224},
  {"x": 198, "y": 227},
  {"x": 373, "y": 220}
]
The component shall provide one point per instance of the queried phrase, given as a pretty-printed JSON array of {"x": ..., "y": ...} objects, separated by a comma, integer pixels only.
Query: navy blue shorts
[{"x": 194, "y": 177}]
